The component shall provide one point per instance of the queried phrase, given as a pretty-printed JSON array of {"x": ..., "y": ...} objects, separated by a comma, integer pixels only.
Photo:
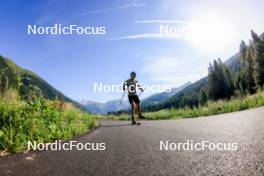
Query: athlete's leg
[
  {"x": 137, "y": 101},
  {"x": 139, "y": 108},
  {"x": 130, "y": 98},
  {"x": 132, "y": 111}
]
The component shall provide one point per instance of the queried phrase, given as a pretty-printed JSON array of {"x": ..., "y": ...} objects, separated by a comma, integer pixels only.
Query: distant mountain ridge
[
  {"x": 104, "y": 108},
  {"x": 114, "y": 105},
  {"x": 30, "y": 79},
  {"x": 159, "y": 97}
]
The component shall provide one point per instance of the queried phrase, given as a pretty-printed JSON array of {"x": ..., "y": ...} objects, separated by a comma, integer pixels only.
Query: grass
[
  {"x": 212, "y": 108},
  {"x": 41, "y": 120}
]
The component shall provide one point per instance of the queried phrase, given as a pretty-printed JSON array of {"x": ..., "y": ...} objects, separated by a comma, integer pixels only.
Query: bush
[{"x": 39, "y": 121}]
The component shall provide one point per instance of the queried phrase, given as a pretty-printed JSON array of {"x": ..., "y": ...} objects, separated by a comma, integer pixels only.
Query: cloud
[
  {"x": 173, "y": 70},
  {"x": 165, "y": 21},
  {"x": 147, "y": 36},
  {"x": 178, "y": 34},
  {"x": 138, "y": 5}
]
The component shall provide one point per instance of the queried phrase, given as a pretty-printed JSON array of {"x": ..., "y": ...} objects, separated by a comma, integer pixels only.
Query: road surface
[{"x": 135, "y": 150}]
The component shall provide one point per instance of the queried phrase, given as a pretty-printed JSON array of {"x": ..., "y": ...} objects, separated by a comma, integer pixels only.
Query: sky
[{"x": 132, "y": 42}]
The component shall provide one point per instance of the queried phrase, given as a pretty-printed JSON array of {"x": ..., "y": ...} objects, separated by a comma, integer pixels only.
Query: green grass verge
[
  {"x": 41, "y": 121},
  {"x": 212, "y": 108}
]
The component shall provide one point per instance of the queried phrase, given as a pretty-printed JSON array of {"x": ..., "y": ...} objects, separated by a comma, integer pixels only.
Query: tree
[
  {"x": 203, "y": 95},
  {"x": 19, "y": 81},
  {"x": 258, "y": 56},
  {"x": 243, "y": 52},
  {"x": 255, "y": 36},
  {"x": 212, "y": 84},
  {"x": 4, "y": 80},
  {"x": 246, "y": 80},
  {"x": 250, "y": 81},
  {"x": 220, "y": 79}
]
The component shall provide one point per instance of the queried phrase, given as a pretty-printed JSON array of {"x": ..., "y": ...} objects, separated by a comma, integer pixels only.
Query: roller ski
[{"x": 136, "y": 123}]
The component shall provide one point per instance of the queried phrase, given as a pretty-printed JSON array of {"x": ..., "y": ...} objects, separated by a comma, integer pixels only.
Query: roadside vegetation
[
  {"x": 38, "y": 119},
  {"x": 211, "y": 108}
]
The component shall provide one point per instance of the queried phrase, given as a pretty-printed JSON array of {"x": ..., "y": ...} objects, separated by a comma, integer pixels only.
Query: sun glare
[{"x": 211, "y": 32}]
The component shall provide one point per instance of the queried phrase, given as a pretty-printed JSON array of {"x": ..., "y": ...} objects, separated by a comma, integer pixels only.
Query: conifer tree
[{"x": 258, "y": 56}]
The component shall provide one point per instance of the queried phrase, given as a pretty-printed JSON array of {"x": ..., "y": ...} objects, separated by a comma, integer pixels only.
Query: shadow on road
[{"x": 117, "y": 125}]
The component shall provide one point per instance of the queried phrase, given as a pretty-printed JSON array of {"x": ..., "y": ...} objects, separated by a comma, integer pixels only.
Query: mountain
[
  {"x": 159, "y": 97},
  {"x": 11, "y": 73},
  {"x": 114, "y": 105},
  {"x": 93, "y": 107},
  {"x": 104, "y": 108}
]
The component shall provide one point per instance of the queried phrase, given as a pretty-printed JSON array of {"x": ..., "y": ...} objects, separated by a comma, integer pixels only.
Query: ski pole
[
  {"x": 140, "y": 93},
  {"x": 122, "y": 98}
]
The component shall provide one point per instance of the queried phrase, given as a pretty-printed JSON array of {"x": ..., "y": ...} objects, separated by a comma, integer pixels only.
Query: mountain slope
[
  {"x": 11, "y": 73},
  {"x": 159, "y": 97},
  {"x": 93, "y": 107},
  {"x": 104, "y": 108}
]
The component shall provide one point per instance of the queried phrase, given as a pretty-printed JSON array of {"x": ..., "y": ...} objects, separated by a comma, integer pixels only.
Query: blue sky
[{"x": 132, "y": 42}]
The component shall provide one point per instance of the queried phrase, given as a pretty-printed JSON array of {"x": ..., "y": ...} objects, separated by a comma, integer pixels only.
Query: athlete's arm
[
  {"x": 124, "y": 85},
  {"x": 139, "y": 86}
]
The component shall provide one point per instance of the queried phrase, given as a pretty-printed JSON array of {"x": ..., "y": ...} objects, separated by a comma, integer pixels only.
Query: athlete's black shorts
[{"x": 133, "y": 98}]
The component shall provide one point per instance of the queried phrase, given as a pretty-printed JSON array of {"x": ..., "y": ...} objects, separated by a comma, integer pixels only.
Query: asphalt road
[{"x": 135, "y": 150}]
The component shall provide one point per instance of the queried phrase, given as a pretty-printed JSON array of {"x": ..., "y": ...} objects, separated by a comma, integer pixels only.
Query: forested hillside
[{"x": 27, "y": 83}]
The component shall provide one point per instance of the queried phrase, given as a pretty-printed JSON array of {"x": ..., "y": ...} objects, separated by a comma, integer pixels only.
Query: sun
[{"x": 210, "y": 32}]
